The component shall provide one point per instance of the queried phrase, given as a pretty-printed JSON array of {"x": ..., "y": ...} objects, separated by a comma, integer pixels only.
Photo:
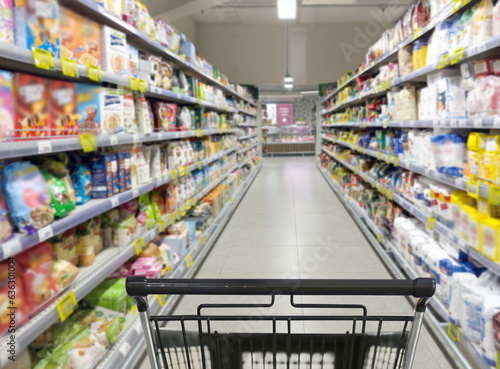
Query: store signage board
[{"x": 284, "y": 114}]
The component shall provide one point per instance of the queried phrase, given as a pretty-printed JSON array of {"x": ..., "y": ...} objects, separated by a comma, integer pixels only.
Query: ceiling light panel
[{"x": 287, "y": 9}]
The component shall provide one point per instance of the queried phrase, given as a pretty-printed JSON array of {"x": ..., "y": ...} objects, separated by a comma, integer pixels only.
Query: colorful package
[
  {"x": 170, "y": 198},
  {"x": 124, "y": 231},
  {"x": 6, "y": 22},
  {"x": 114, "y": 7},
  {"x": 27, "y": 197},
  {"x": 128, "y": 11},
  {"x": 7, "y": 106},
  {"x": 158, "y": 205},
  {"x": 165, "y": 115},
  {"x": 36, "y": 25},
  {"x": 114, "y": 51},
  {"x": 62, "y": 108},
  {"x": 142, "y": 115},
  {"x": 19, "y": 299},
  {"x": 124, "y": 171},
  {"x": 6, "y": 230},
  {"x": 133, "y": 60},
  {"x": 88, "y": 108},
  {"x": 30, "y": 101},
  {"x": 103, "y": 176},
  {"x": 64, "y": 246},
  {"x": 61, "y": 202},
  {"x": 85, "y": 248},
  {"x": 35, "y": 265},
  {"x": 145, "y": 206},
  {"x": 112, "y": 110}
]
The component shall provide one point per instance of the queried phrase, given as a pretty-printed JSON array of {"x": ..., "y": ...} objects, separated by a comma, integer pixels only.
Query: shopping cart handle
[{"x": 419, "y": 287}]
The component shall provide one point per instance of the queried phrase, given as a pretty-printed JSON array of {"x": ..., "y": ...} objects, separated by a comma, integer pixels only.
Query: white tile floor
[{"x": 291, "y": 225}]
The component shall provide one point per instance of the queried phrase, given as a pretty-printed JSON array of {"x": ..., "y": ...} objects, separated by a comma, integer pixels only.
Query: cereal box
[
  {"x": 103, "y": 175},
  {"x": 128, "y": 11},
  {"x": 133, "y": 61},
  {"x": 124, "y": 171},
  {"x": 6, "y": 105},
  {"x": 6, "y": 22},
  {"x": 36, "y": 25},
  {"x": 30, "y": 101},
  {"x": 80, "y": 38},
  {"x": 129, "y": 125},
  {"x": 62, "y": 108},
  {"x": 88, "y": 108},
  {"x": 112, "y": 110},
  {"x": 114, "y": 7},
  {"x": 114, "y": 53}
]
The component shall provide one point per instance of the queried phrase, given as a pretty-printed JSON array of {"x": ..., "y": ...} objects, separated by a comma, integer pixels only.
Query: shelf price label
[
  {"x": 69, "y": 67},
  {"x": 142, "y": 85},
  {"x": 388, "y": 159},
  {"x": 390, "y": 195},
  {"x": 457, "y": 56},
  {"x": 43, "y": 59},
  {"x": 444, "y": 61},
  {"x": 355, "y": 170},
  {"x": 133, "y": 84},
  {"x": 454, "y": 332},
  {"x": 199, "y": 133},
  {"x": 473, "y": 189},
  {"x": 431, "y": 223},
  {"x": 66, "y": 305},
  {"x": 395, "y": 161},
  {"x": 380, "y": 237},
  {"x": 457, "y": 4},
  {"x": 139, "y": 246},
  {"x": 181, "y": 172},
  {"x": 173, "y": 172},
  {"x": 189, "y": 261},
  {"x": 203, "y": 241},
  {"x": 187, "y": 171},
  {"x": 162, "y": 299},
  {"x": 379, "y": 155},
  {"x": 385, "y": 124},
  {"x": 94, "y": 73},
  {"x": 417, "y": 32},
  {"x": 89, "y": 142},
  {"x": 171, "y": 219},
  {"x": 183, "y": 210},
  {"x": 178, "y": 214},
  {"x": 162, "y": 225},
  {"x": 199, "y": 165}
]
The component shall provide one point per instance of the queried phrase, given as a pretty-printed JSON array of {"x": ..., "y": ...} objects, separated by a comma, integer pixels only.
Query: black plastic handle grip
[{"x": 420, "y": 287}]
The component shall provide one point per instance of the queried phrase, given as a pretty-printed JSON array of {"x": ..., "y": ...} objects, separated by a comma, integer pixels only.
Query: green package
[{"x": 61, "y": 201}]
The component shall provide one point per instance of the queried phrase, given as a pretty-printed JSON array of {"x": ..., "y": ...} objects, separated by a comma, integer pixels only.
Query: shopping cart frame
[{"x": 139, "y": 288}]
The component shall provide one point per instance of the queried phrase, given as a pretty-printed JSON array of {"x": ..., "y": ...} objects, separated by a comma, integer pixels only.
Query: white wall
[
  {"x": 187, "y": 26},
  {"x": 250, "y": 54}
]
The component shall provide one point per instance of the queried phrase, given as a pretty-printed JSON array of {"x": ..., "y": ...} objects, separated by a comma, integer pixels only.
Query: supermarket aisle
[{"x": 291, "y": 225}]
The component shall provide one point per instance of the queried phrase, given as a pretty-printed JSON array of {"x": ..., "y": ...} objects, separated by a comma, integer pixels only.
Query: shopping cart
[{"x": 206, "y": 347}]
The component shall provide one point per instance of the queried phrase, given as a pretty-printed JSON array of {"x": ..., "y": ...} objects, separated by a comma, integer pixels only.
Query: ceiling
[{"x": 264, "y": 12}]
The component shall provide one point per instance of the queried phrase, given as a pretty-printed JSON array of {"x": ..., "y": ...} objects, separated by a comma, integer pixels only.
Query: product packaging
[
  {"x": 114, "y": 51},
  {"x": 62, "y": 108},
  {"x": 30, "y": 101},
  {"x": 6, "y": 21},
  {"x": 7, "y": 106},
  {"x": 36, "y": 25},
  {"x": 111, "y": 110},
  {"x": 88, "y": 108},
  {"x": 103, "y": 169}
]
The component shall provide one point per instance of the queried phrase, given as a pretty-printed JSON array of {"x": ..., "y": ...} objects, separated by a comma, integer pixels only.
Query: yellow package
[
  {"x": 488, "y": 168},
  {"x": 474, "y": 229},
  {"x": 475, "y": 146},
  {"x": 490, "y": 230}
]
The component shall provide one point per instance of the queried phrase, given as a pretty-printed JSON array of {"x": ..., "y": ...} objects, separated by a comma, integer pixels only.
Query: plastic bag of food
[
  {"x": 63, "y": 273},
  {"x": 106, "y": 331},
  {"x": 124, "y": 231},
  {"x": 170, "y": 198},
  {"x": 158, "y": 205},
  {"x": 85, "y": 248},
  {"x": 64, "y": 246},
  {"x": 482, "y": 22},
  {"x": 61, "y": 201},
  {"x": 129, "y": 208},
  {"x": 27, "y": 197},
  {"x": 145, "y": 206}
]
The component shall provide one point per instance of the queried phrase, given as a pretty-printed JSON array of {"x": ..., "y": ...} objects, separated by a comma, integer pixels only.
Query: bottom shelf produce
[{"x": 465, "y": 297}]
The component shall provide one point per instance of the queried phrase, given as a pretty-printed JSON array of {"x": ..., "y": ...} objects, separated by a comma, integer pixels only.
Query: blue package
[
  {"x": 103, "y": 176},
  {"x": 124, "y": 171},
  {"x": 82, "y": 183},
  {"x": 27, "y": 197},
  {"x": 88, "y": 108},
  {"x": 191, "y": 227}
]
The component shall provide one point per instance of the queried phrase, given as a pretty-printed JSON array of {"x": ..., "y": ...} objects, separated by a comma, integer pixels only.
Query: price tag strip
[
  {"x": 139, "y": 246},
  {"x": 69, "y": 68},
  {"x": 189, "y": 261},
  {"x": 94, "y": 73},
  {"x": 43, "y": 59},
  {"x": 89, "y": 142}
]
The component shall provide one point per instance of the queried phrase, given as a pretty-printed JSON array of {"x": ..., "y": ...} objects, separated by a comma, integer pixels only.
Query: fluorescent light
[
  {"x": 309, "y": 92},
  {"x": 288, "y": 79},
  {"x": 287, "y": 9},
  {"x": 289, "y": 85}
]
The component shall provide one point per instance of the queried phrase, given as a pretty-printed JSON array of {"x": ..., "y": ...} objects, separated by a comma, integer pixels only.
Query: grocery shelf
[
  {"x": 91, "y": 209},
  {"x": 247, "y": 112},
  {"x": 88, "y": 278},
  {"x": 247, "y": 148},
  {"x": 131, "y": 340},
  {"x": 466, "y": 123},
  {"x": 247, "y": 125},
  {"x": 92, "y": 10},
  {"x": 289, "y": 143},
  {"x": 389, "y": 253},
  {"x": 17, "y": 149},
  {"x": 246, "y": 137},
  {"x": 445, "y": 13},
  {"x": 246, "y": 161},
  {"x": 455, "y": 239},
  {"x": 161, "y": 93},
  {"x": 456, "y": 182},
  {"x": 20, "y": 59},
  {"x": 355, "y": 100}
]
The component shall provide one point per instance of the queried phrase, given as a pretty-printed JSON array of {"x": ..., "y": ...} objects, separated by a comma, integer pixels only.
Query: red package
[
  {"x": 35, "y": 265},
  {"x": 418, "y": 16},
  {"x": 30, "y": 101},
  {"x": 481, "y": 68},
  {"x": 495, "y": 66},
  {"x": 62, "y": 108},
  {"x": 165, "y": 115},
  {"x": 11, "y": 289}
]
